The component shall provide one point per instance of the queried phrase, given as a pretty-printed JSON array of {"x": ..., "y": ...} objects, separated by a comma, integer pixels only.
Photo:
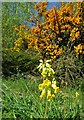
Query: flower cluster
[
  {"x": 48, "y": 87},
  {"x": 79, "y": 49},
  {"x": 21, "y": 43},
  {"x": 75, "y": 33},
  {"x": 45, "y": 69},
  {"x": 40, "y": 7}
]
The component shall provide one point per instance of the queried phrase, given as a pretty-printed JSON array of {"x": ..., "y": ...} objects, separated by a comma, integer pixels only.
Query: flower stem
[{"x": 46, "y": 109}]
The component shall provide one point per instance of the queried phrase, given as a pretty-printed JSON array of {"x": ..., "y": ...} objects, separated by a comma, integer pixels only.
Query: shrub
[
  {"x": 69, "y": 69},
  {"x": 19, "y": 62},
  {"x": 53, "y": 30}
]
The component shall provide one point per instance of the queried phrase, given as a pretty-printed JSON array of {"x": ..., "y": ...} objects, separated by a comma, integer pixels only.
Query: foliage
[
  {"x": 54, "y": 30},
  {"x": 21, "y": 43},
  {"x": 19, "y": 62},
  {"x": 13, "y": 13},
  {"x": 20, "y": 100},
  {"x": 69, "y": 68}
]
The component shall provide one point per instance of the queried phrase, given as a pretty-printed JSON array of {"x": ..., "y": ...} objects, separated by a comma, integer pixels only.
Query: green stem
[{"x": 46, "y": 109}]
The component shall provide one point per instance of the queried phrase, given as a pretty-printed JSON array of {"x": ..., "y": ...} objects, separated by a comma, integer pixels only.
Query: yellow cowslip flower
[
  {"x": 49, "y": 96},
  {"x": 53, "y": 95},
  {"x": 43, "y": 74},
  {"x": 47, "y": 82},
  {"x": 48, "y": 65},
  {"x": 77, "y": 94},
  {"x": 51, "y": 71},
  {"x": 40, "y": 86},
  {"x": 53, "y": 84},
  {"x": 44, "y": 71},
  {"x": 43, "y": 94},
  {"x": 57, "y": 89}
]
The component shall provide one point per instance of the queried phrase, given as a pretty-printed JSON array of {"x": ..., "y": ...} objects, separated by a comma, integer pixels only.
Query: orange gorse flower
[
  {"x": 79, "y": 49},
  {"x": 51, "y": 35}
]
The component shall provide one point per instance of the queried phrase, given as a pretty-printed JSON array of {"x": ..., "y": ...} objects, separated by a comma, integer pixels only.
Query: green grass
[{"x": 21, "y": 100}]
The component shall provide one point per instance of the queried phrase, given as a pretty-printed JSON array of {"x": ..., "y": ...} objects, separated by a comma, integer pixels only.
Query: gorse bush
[{"x": 54, "y": 30}]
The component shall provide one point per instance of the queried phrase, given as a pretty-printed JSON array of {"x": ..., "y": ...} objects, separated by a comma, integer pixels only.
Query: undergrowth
[{"x": 21, "y": 100}]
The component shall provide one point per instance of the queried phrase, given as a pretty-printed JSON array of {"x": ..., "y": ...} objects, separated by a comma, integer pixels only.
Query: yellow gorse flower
[{"x": 79, "y": 49}]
